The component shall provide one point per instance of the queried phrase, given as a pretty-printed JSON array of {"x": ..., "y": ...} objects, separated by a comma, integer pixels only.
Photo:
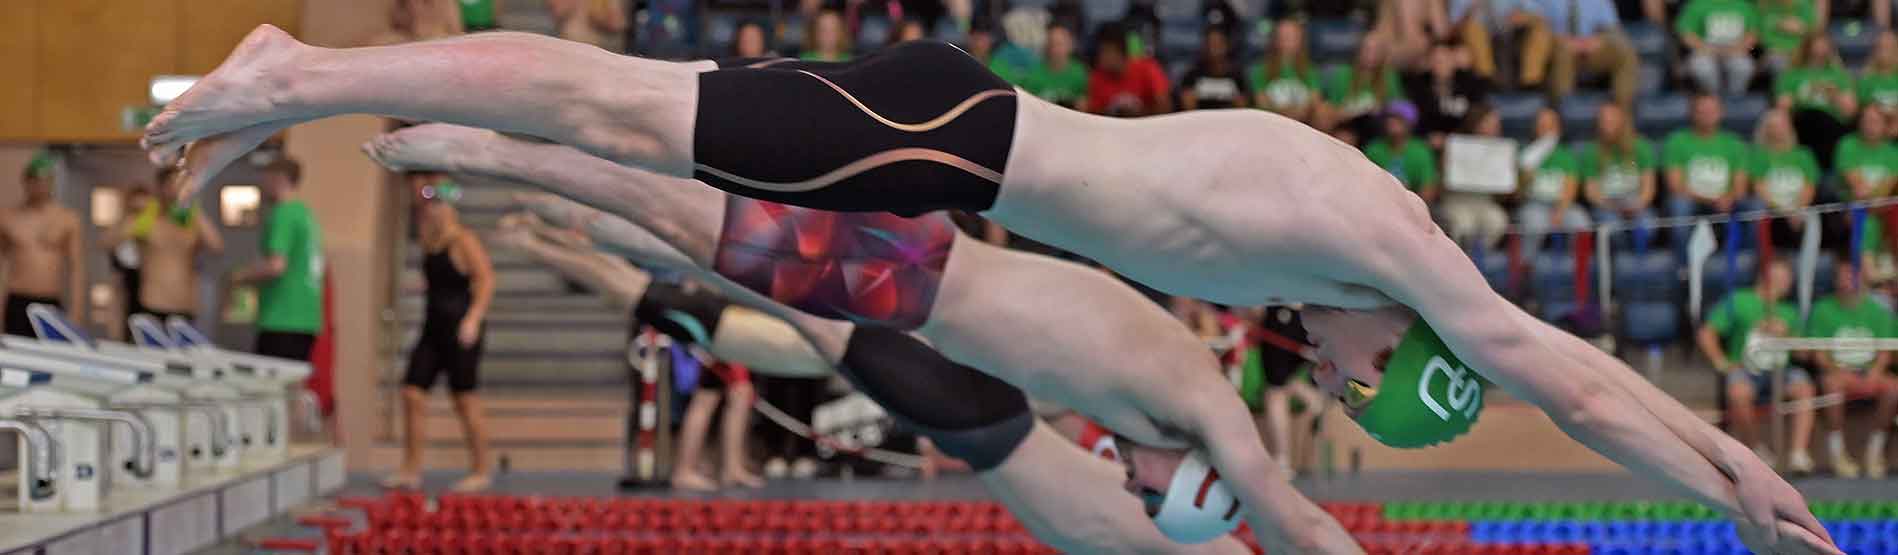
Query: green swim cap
[
  {"x": 41, "y": 166},
  {"x": 1427, "y": 396}
]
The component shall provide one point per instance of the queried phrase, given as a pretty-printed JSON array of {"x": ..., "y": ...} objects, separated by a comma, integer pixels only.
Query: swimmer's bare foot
[
  {"x": 431, "y": 147},
  {"x": 249, "y": 88},
  {"x": 742, "y": 479},
  {"x": 686, "y": 480},
  {"x": 404, "y": 479},
  {"x": 205, "y": 159},
  {"x": 473, "y": 483}
]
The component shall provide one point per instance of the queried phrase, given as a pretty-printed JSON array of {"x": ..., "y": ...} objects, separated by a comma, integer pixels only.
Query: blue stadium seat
[
  {"x": 1032, "y": 4},
  {"x": 1650, "y": 322},
  {"x": 872, "y": 32},
  {"x": 1822, "y": 277},
  {"x": 1579, "y": 110},
  {"x": 720, "y": 31},
  {"x": 790, "y": 34},
  {"x": 1650, "y": 41},
  {"x": 1714, "y": 278},
  {"x": 1653, "y": 77},
  {"x": 948, "y": 31},
  {"x": 1334, "y": 39},
  {"x": 1103, "y": 11},
  {"x": 1176, "y": 71},
  {"x": 1180, "y": 41},
  {"x": 1743, "y": 113},
  {"x": 1255, "y": 37},
  {"x": 1648, "y": 287},
  {"x": 1661, "y": 115},
  {"x": 1554, "y": 283},
  {"x": 1494, "y": 264},
  {"x": 1854, "y": 42},
  {"x": 1518, "y": 112},
  {"x": 1172, "y": 12}
]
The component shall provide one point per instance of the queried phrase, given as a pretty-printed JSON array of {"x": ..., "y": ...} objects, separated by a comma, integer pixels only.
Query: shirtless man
[
  {"x": 169, "y": 235},
  {"x": 973, "y": 301},
  {"x": 39, "y": 247},
  {"x": 1052, "y": 486},
  {"x": 1179, "y": 202}
]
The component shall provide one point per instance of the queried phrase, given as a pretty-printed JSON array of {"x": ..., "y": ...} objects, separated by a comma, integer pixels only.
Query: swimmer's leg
[
  {"x": 684, "y": 214},
  {"x": 631, "y": 110}
]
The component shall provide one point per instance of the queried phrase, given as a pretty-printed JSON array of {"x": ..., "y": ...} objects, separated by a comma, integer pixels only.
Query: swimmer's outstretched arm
[
  {"x": 630, "y": 110},
  {"x": 621, "y": 283},
  {"x": 1500, "y": 342}
]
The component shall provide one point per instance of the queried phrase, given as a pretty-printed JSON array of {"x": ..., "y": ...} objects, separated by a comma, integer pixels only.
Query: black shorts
[
  {"x": 439, "y": 352},
  {"x": 17, "y": 322},
  {"x": 290, "y": 345}
]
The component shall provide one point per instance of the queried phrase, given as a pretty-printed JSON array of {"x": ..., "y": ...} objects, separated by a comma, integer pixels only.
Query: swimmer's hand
[{"x": 1774, "y": 517}]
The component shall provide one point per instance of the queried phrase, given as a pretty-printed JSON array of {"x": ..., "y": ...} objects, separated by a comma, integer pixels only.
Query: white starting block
[
  {"x": 79, "y": 424},
  {"x": 150, "y": 461},
  {"x": 211, "y": 434}
]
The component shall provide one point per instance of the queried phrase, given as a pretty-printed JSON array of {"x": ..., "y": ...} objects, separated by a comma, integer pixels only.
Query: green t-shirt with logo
[
  {"x": 1742, "y": 313},
  {"x": 1879, "y": 89},
  {"x": 1877, "y": 162},
  {"x": 1773, "y": 12},
  {"x": 1351, "y": 96},
  {"x": 1064, "y": 86},
  {"x": 1807, "y": 87},
  {"x": 1707, "y": 164},
  {"x": 1782, "y": 176},
  {"x": 1289, "y": 88},
  {"x": 293, "y": 302},
  {"x": 1718, "y": 22},
  {"x": 1551, "y": 178},
  {"x": 477, "y": 15},
  {"x": 1865, "y": 319},
  {"x": 1620, "y": 173},
  {"x": 1413, "y": 164}
]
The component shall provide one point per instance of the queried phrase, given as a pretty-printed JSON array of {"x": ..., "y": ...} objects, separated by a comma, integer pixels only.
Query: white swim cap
[{"x": 1198, "y": 507}]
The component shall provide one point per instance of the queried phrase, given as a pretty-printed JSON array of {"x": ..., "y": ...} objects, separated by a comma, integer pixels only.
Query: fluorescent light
[{"x": 165, "y": 88}]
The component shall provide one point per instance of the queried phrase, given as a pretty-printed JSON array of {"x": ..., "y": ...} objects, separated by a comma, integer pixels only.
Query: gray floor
[{"x": 1385, "y": 486}]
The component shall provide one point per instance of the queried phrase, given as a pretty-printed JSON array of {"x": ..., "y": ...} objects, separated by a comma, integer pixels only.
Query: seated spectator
[
  {"x": 1878, "y": 82},
  {"x": 1284, "y": 81},
  {"x": 1472, "y": 22},
  {"x": 1569, "y": 37},
  {"x": 1786, "y": 174},
  {"x": 1617, "y": 171},
  {"x": 1784, "y": 24},
  {"x": 908, "y": 30},
  {"x": 1408, "y": 159},
  {"x": 1445, "y": 95},
  {"x": 1215, "y": 81},
  {"x": 417, "y": 20},
  {"x": 1719, "y": 35},
  {"x": 1410, "y": 28},
  {"x": 749, "y": 40},
  {"x": 982, "y": 46},
  {"x": 1471, "y": 217},
  {"x": 1819, "y": 93},
  {"x": 1706, "y": 166},
  {"x": 1866, "y": 161},
  {"x": 825, "y": 39},
  {"x": 1730, "y": 327},
  {"x": 1850, "y": 314},
  {"x": 1550, "y": 179},
  {"x": 600, "y": 23},
  {"x": 1060, "y": 78},
  {"x": 1122, "y": 84},
  {"x": 1355, "y": 93}
]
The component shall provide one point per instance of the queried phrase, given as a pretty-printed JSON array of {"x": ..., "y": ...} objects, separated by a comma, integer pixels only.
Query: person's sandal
[{"x": 473, "y": 483}]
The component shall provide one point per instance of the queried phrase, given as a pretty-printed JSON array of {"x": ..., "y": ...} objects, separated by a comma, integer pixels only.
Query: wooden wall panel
[
  {"x": 97, "y": 57},
  {"x": 19, "y": 70},
  {"x": 212, "y": 28}
]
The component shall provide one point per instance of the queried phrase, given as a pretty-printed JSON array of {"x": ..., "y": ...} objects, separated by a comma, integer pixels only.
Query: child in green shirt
[
  {"x": 1850, "y": 314},
  {"x": 1726, "y": 338}
]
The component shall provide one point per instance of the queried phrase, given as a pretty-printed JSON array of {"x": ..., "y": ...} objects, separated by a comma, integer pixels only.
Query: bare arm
[
  {"x": 208, "y": 237},
  {"x": 1592, "y": 191},
  {"x": 480, "y": 272},
  {"x": 265, "y": 269},
  {"x": 1497, "y": 340},
  {"x": 1709, "y": 342},
  {"x": 1647, "y": 189},
  {"x": 75, "y": 268},
  {"x": 611, "y": 19}
]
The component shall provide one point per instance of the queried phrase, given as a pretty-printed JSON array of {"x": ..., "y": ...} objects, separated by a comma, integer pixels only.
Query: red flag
[{"x": 322, "y": 380}]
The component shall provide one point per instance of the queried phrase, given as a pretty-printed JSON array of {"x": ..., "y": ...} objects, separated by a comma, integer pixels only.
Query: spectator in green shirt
[
  {"x": 1706, "y": 166},
  {"x": 1406, "y": 157},
  {"x": 290, "y": 274},
  {"x": 1878, "y": 82},
  {"x": 1783, "y": 24},
  {"x": 826, "y": 40},
  {"x": 1061, "y": 78},
  {"x": 1730, "y": 328},
  {"x": 1549, "y": 184},
  {"x": 1786, "y": 175},
  {"x": 1354, "y": 94},
  {"x": 1284, "y": 81},
  {"x": 1850, "y": 314},
  {"x": 1617, "y": 171},
  {"x": 1819, "y": 93},
  {"x": 1866, "y": 161},
  {"x": 1719, "y": 35}
]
